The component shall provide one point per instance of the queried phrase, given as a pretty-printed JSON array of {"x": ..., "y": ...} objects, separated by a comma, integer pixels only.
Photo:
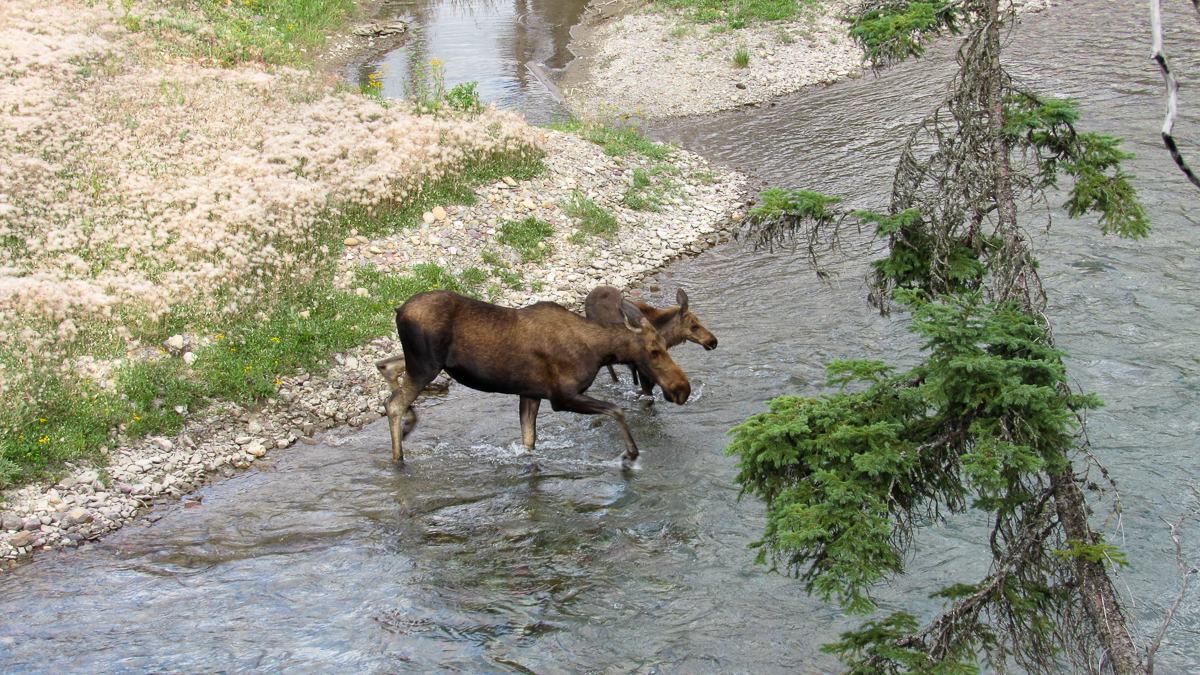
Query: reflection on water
[
  {"x": 481, "y": 557},
  {"x": 487, "y": 42}
]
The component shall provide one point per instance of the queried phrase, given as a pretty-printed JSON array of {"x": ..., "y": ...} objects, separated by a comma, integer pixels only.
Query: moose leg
[
  {"x": 633, "y": 372},
  {"x": 401, "y": 418},
  {"x": 591, "y": 406},
  {"x": 648, "y": 385},
  {"x": 529, "y": 411},
  {"x": 613, "y": 373}
]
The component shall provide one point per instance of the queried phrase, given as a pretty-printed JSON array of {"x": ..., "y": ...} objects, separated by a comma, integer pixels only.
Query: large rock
[
  {"x": 11, "y": 521},
  {"x": 381, "y": 29},
  {"x": 24, "y": 538},
  {"x": 77, "y": 516}
]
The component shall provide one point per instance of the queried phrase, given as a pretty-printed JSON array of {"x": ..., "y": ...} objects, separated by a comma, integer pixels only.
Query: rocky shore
[
  {"x": 652, "y": 65},
  {"x": 634, "y": 62},
  {"x": 700, "y": 207}
]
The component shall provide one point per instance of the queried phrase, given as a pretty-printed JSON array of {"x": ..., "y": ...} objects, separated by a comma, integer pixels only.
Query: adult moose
[
  {"x": 674, "y": 324},
  {"x": 538, "y": 352}
]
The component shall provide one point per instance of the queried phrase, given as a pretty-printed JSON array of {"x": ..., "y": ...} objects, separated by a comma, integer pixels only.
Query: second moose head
[{"x": 675, "y": 324}]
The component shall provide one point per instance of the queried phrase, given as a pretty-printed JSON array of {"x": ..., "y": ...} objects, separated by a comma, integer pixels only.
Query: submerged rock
[{"x": 381, "y": 29}]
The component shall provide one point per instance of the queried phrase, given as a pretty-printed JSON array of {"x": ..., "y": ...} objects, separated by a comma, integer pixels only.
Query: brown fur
[
  {"x": 538, "y": 352},
  {"x": 675, "y": 324}
]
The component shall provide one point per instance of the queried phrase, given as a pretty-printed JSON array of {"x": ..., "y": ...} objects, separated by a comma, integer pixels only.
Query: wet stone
[
  {"x": 22, "y": 539},
  {"x": 77, "y": 516}
]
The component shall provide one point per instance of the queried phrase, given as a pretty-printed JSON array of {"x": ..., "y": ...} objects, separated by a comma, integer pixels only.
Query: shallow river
[
  {"x": 501, "y": 45},
  {"x": 480, "y": 557}
]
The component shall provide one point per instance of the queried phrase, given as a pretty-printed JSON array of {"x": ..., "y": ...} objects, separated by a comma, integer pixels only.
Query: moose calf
[{"x": 674, "y": 324}]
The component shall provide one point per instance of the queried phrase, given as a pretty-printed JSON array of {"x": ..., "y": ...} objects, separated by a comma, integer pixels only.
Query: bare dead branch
[
  {"x": 1160, "y": 57},
  {"x": 1186, "y": 575}
]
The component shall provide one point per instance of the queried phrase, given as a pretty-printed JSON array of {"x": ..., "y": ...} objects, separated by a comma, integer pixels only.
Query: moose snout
[
  {"x": 710, "y": 345},
  {"x": 679, "y": 393}
]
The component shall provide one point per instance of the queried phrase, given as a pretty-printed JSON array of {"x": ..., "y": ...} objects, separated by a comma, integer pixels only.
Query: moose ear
[
  {"x": 632, "y": 315},
  {"x": 681, "y": 300}
]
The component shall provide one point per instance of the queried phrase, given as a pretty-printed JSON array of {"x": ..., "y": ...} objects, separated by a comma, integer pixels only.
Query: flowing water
[{"x": 480, "y": 557}]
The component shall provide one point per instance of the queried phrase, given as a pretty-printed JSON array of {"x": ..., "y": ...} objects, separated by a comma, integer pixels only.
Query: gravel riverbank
[
  {"x": 700, "y": 208},
  {"x": 634, "y": 62},
  {"x": 652, "y": 66}
]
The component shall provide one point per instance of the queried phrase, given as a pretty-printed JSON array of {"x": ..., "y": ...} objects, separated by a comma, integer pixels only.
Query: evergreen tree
[{"x": 986, "y": 421}]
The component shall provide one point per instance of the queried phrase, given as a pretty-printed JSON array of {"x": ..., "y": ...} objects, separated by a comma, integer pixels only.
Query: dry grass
[{"x": 131, "y": 188}]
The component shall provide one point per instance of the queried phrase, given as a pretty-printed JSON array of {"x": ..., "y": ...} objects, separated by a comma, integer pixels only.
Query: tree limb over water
[{"x": 987, "y": 420}]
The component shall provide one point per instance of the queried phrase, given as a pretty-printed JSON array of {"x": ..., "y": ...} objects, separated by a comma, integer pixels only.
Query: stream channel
[{"x": 472, "y": 559}]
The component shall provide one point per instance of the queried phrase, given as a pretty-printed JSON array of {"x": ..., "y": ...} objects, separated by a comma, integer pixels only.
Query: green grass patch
[
  {"x": 277, "y": 32},
  {"x": 617, "y": 142},
  {"x": 69, "y": 421},
  {"x": 592, "y": 219},
  {"x": 511, "y": 278},
  {"x": 681, "y": 32},
  {"x": 392, "y": 216},
  {"x": 735, "y": 13},
  {"x": 741, "y": 58},
  {"x": 643, "y": 194},
  {"x": 502, "y": 271},
  {"x": 473, "y": 277},
  {"x": 527, "y": 237}
]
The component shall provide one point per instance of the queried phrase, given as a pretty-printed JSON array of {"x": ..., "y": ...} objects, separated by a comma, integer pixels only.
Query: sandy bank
[{"x": 637, "y": 63}]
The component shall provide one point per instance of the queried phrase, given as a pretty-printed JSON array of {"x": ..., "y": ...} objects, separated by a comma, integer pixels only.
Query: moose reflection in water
[
  {"x": 543, "y": 351},
  {"x": 675, "y": 324}
]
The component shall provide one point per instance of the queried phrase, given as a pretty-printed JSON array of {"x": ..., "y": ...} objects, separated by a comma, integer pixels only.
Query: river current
[{"x": 481, "y": 557}]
